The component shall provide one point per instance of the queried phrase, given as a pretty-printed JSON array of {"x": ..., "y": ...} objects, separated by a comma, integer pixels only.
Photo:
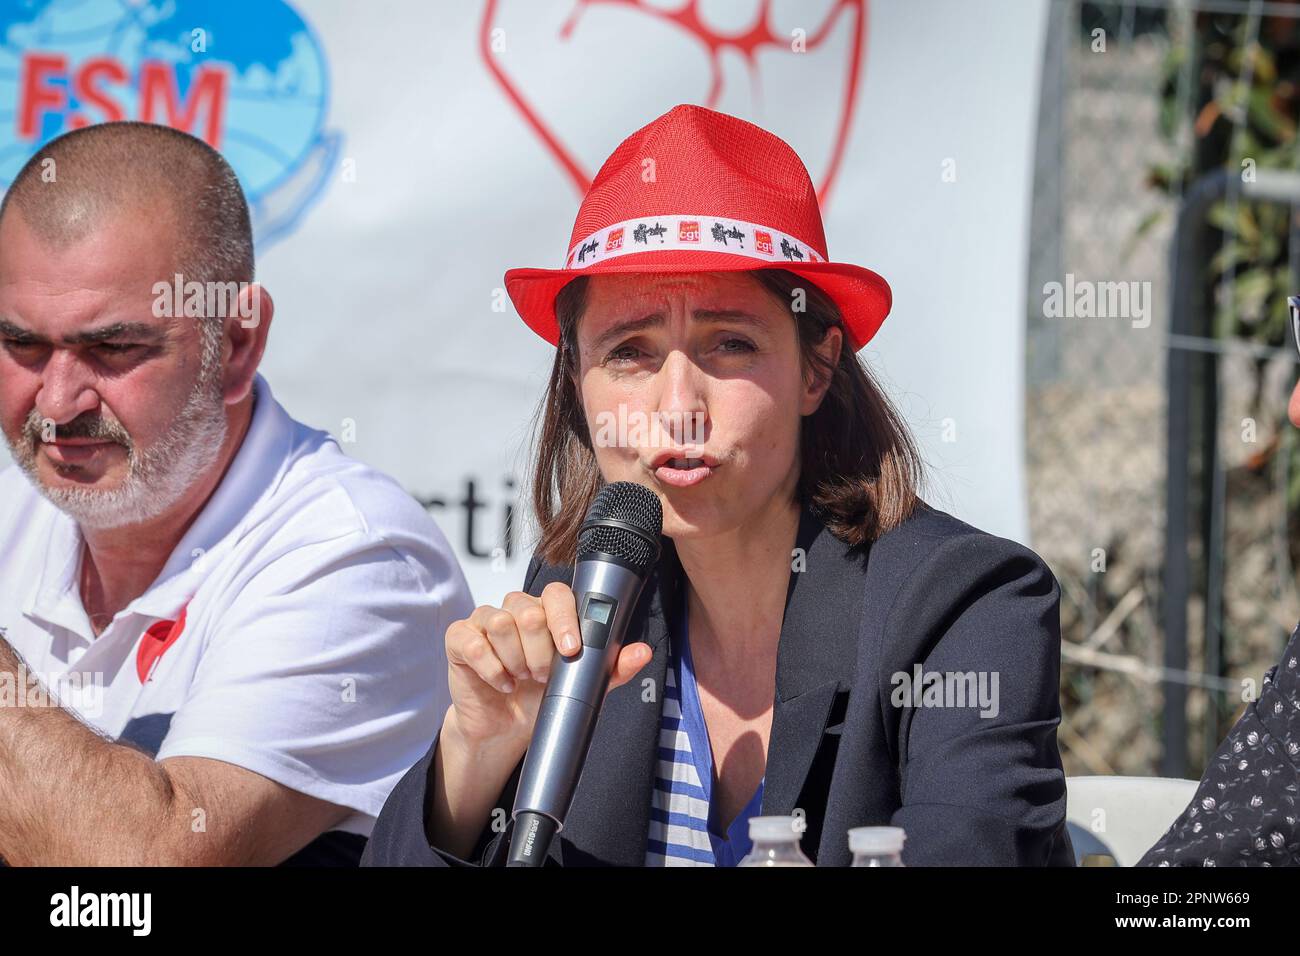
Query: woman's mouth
[{"x": 683, "y": 472}]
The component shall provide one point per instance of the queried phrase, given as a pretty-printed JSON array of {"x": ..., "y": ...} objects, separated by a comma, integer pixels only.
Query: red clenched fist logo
[{"x": 573, "y": 68}]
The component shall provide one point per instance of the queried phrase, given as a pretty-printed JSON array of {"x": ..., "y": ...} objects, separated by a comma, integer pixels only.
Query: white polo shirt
[{"x": 296, "y": 630}]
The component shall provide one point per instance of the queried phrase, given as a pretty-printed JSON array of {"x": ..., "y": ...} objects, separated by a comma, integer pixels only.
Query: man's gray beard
[{"x": 157, "y": 477}]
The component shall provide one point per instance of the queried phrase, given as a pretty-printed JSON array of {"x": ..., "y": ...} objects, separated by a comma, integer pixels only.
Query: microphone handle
[
  {"x": 606, "y": 594},
  {"x": 531, "y": 838}
]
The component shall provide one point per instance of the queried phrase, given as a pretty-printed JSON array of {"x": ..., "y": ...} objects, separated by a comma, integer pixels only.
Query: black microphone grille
[{"x": 624, "y": 521}]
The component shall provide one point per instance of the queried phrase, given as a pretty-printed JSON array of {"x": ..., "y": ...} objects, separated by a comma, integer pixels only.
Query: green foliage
[
  {"x": 1246, "y": 104},
  {"x": 1246, "y": 116}
]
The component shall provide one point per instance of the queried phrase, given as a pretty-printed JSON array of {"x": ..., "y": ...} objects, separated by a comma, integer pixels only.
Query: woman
[
  {"x": 782, "y": 659},
  {"x": 1246, "y": 809}
]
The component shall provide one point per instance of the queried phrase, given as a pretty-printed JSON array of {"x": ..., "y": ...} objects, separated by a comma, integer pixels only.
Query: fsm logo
[{"x": 251, "y": 80}]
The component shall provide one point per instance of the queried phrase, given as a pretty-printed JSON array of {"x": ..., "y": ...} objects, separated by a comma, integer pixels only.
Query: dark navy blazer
[{"x": 967, "y": 789}]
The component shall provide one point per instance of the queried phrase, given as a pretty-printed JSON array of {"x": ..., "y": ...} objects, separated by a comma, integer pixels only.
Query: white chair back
[{"x": 1122, "y": 817}]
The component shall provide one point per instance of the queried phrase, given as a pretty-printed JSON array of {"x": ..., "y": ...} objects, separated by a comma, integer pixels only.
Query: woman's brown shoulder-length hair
[{"x": 860, "y": 468}]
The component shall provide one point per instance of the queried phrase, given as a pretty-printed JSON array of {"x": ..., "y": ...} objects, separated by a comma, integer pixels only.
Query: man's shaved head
[
  {"x": 118, "y": 400},
  {"x": 87, "y": 178}
]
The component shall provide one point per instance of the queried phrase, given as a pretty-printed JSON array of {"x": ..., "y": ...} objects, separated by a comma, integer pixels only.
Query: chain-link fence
[{"x": 1129, "y": 102}]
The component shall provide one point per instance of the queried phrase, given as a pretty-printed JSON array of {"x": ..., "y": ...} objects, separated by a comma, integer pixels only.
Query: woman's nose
[{"x": 683, "y": 407}]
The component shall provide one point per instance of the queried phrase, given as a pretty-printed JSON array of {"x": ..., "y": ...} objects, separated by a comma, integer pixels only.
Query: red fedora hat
[{"x": 725, "y": 195}]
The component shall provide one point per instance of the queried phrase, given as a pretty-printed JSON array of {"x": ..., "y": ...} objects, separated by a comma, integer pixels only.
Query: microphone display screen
[{"x": 598, "y": 610}]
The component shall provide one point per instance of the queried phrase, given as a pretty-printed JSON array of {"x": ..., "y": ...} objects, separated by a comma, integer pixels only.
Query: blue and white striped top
[{"x": 680, "y": 834}]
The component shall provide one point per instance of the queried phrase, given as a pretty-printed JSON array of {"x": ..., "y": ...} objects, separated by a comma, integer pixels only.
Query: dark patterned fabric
[{"x": 1246, "y": 811}]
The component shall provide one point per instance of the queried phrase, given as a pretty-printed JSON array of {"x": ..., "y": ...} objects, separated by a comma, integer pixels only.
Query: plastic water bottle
[
  {"x": 775, "y": 842},
  {"x": 877, "y": 846}
]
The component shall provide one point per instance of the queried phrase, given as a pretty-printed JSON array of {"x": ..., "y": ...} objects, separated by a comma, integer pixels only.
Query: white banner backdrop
[{"x": 401, "y": 156}]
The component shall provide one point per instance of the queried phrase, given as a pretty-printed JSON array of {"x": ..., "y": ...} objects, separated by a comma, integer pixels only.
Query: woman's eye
[
  {"x": 622, "y": 353},
  {"x": 743, "y": 346}
]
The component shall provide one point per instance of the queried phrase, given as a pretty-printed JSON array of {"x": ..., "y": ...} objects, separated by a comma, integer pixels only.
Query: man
[{"x": 220, "y": 638}]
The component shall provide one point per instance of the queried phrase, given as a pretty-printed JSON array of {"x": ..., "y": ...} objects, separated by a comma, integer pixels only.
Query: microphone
[{"x": 618, "y": 544}]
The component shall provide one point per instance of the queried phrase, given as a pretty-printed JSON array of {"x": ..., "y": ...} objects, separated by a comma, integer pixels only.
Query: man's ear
[
  {"x": 244, "y": 341},
  {"x": 815, "y": 383}
]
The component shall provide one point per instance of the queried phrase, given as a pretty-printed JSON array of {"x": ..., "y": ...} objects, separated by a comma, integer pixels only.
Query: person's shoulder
[
  {"x": 1283, "y": 678},
  {"x": 938, "y": 585},
  {"x": 325, "y": 501},
  {"x": 928, "y": 530},
  {"x": 324, "y": 487},
  {"x": 932, "y": 544}
]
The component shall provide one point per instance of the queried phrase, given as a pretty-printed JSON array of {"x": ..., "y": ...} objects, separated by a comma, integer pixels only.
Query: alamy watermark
[
  {"x": 206, "y": 300},
  {"x": 636, "y": 429},
  {"x": 132, "y": 911},
  {"x": 1098, "y": 300},
  {"x": 949, "y": 689},
  {"x": 82, "y": 691}
]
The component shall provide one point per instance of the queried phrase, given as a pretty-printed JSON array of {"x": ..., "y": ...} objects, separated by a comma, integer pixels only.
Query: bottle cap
[
  {"x": 876, "y": 840},
  {"x": 774, "y": 828}
]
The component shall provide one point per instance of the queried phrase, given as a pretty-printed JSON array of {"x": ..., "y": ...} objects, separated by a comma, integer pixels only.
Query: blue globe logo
[{"x": 251, "y": 80}]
